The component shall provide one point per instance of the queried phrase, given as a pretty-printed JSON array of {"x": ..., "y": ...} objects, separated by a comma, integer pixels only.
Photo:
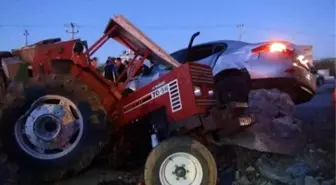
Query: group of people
[{"x": 114, "y": 68}]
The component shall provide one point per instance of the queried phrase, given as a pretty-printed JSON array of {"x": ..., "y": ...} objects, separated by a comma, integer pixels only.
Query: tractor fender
[{"x": 62, "y": 66}]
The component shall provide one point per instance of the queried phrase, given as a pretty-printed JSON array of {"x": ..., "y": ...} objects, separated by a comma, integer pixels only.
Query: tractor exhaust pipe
[{"x": 190, "y": 45}]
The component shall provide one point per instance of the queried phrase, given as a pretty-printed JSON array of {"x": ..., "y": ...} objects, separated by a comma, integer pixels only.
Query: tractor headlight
[
  {"x": 210, "y": 93},
  {"x": 197, "y": 91}
]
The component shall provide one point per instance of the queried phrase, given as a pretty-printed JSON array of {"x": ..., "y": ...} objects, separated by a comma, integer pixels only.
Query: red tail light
[{"x": 275, "y": 47}]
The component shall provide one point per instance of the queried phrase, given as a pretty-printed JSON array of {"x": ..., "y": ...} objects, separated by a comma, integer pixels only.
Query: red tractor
[{"x": 54, "y": 124}]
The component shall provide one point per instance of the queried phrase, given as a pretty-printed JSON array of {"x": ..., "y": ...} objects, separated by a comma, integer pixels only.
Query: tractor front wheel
[
  {"x": 52, "y": 127},
  {"x": 180, "y": 161}
]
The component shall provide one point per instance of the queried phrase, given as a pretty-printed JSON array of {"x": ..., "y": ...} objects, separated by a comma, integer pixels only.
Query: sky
[{"x": 171, "y": 23}]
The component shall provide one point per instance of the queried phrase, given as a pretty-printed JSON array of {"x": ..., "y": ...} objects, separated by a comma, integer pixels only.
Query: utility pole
[
  {"x": 72, "y": 31},
  {"x": 240, "y": 28},
  {"x": 26, "y": 33}
]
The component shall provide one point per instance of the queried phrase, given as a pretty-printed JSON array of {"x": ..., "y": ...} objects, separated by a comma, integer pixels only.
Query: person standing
[
  {"x": 110, "y": 69},
  {"x": 120, "y": 67}
]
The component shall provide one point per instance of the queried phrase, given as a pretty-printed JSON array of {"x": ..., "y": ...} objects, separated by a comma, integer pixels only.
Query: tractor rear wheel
[
  {"x": 52, "y": 127},
  {"x": 180, "y": 161}
]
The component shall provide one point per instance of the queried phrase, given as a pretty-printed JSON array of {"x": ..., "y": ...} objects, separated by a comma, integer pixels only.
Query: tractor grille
[
  {"x": 174, "y": 94},
  {"x": 201, "y": 74}
]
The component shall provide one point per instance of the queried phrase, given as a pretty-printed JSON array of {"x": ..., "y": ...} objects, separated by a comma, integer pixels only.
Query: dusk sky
[{"x": 171, "y": 23}]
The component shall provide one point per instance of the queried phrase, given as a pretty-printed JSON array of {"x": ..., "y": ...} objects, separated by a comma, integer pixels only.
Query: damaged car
[{"x": 269, "y": 65}]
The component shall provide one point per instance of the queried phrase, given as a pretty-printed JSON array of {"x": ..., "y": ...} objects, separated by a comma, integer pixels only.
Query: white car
[{"x": 274, "y": 64}]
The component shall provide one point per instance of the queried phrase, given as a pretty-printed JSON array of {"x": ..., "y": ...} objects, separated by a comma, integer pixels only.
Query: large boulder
[{"x": 275, "y": 130}]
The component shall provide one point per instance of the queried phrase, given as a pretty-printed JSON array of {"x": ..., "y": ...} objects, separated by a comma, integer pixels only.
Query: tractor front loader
[{"x": 57, "y": 121}]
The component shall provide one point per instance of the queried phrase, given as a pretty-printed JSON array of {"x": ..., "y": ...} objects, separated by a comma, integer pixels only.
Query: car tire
[
  {"x": 22, "y": 143},
  {"x": 184, "y": 149}
]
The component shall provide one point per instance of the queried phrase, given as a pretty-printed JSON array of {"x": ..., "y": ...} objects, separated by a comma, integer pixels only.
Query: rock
[
  {"x": 284, "y": 127},
  {"x": 309, "y": 180},
  {"x": 320, "y": 150},
  {"x": 274, "y": 130},
  {"x": 328, "y": 182},
  {"x": 250, "y": 169},
  {"x": 243, "y": 181},
  {"x": 272, "y": 172},
  {"x": 298, "y": 169},
  {"x": 266, "y": 183},
  {"x": 227, "y": 177}
]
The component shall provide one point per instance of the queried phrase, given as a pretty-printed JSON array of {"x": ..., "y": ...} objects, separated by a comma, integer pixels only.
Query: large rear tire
[
  {"x": 180, "y": 161},
  {"x": 52, "y": 127}
]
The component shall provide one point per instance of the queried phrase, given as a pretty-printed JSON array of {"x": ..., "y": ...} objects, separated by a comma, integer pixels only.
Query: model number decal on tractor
[
  {"x": 174, "y": 97},
  {"x": 160, "y": 91},
  {"x": 159, "y": 85}
]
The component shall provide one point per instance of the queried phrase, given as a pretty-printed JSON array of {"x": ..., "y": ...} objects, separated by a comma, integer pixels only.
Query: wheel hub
[
  {"x": 49, "y": 130},
  {"x": 47, "y": 127},
  {"x": 181, "y": 169},
  {"x": 180, "y": 172}
]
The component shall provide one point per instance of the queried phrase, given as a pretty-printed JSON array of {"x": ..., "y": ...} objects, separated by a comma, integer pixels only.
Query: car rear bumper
[
  {"x": 297, "y": 81},
  {"x": 299, "y": 89}
]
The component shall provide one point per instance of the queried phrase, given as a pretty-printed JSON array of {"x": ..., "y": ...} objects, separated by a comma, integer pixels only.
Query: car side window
[{"x": 198, "y": 53}]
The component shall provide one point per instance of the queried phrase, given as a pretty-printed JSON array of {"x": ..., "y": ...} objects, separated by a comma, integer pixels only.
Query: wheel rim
[
  {"x": 51, "y": 128},
  {"x": 181, "y": 169}
]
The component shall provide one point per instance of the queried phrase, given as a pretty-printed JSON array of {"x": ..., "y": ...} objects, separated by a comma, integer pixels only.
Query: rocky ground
[{"x": 315, "y": 164}]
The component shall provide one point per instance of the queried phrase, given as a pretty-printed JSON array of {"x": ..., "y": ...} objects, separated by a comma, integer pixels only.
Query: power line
[
  {"x": 176, "y": 27},
  {"x": 72, "y": 31},
  {"x": 26, "y": 33}
]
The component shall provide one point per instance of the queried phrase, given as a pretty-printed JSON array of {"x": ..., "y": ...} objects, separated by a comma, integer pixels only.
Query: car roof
[{"x": 232, "y": 43}]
